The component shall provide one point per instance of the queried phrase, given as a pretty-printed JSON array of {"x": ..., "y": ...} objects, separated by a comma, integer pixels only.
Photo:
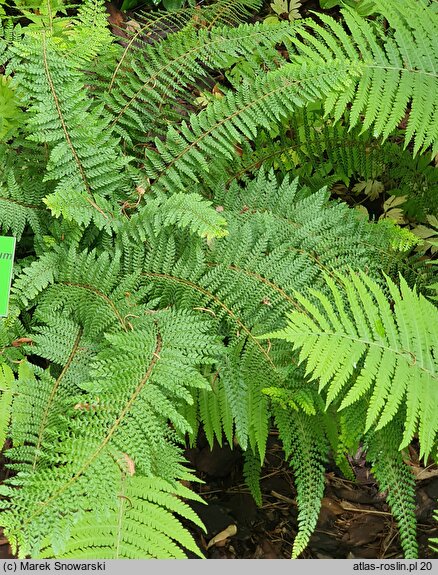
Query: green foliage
[
  {"x": 6, "y": 382},
  {"x": 363, "y": 7},
  {"x": 360, "y": 347},
  {"x": 306, "y": 446},
  {"x": 161, "y": 73},
  {"x": 168, "y": 4},
  {"x": 160, "y": 236},
  {"x": 393, "y": 71},
  {"x": 283, "y": 8},
  {"x": 9, "y": 110},
  {"x": 434, "y": 540},
  {"x": 139, "y": 524},
  {"x": 393, "y": 346},
  {"x": 396, "y": 477}
]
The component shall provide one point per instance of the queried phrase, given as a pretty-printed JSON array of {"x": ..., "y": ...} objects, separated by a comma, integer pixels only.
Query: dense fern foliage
[
  {"x": 173, "y": 200},
  {"x": 395, "y": 349}
]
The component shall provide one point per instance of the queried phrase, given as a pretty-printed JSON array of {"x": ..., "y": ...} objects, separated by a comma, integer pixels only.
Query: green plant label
[{"x": 7, "y": 249}]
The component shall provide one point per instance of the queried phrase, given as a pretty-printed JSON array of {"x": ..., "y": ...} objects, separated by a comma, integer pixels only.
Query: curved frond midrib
[
  {"x": 350, "y": 69},
  {"x": 170, "y": 63},
  {"x": 106, "y": 440},
  {"x": 44, "y": 419},
  {"x": 221, "y": 304}
]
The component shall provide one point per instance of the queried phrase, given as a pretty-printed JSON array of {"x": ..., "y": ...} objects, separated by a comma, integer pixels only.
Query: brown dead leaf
[
  {"x": 132, "y": 26},
  {"x": 129, "y": 464},
  {"x": 115, "y": 16},
  {"x": 219, "y": 539},
  {"x": 331, "y": 504},
  {"x": 21, "y": 341},
  {"x": 423, "y": 473}
]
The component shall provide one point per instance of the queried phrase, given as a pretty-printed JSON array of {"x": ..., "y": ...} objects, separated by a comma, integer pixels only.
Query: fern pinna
[{"x": 155, "y": 250}]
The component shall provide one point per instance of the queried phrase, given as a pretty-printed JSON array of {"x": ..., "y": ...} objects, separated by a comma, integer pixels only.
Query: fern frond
[
  {"x": 21, "y": 204},
  {"x": 185, "y": 211},
  {"x": 306, "y": 448},
  {"x": 10, "y": 113},
  {"x": 160, "y": 75},
  {"x": 6, "y": 389},
  {"x": 395, "y": 476},
  {"x": 434, "y": 540},
  {"x": 84, "y": 160},
  {"x": 398, "y": 68},
  {"x": 139, "y": 524},
  {"x": 80, "y": 429},
  {"x": 210, "y": 137},
  {"x": 304, "y": 144},
  {"x": 397, "y": 349},
  {"x": 251, "y": 472}
]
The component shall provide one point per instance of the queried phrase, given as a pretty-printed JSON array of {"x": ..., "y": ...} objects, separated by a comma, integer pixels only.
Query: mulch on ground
[{"x": 355, "y": 521}]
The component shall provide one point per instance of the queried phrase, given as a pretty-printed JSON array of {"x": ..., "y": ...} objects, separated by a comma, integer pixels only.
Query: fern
[
  {"x": 251, "y": 473},
  {"x": 6, "y": 381},
  {"x": 51, "y": 86},
  {"x": 91, "y": 419},
  {"x": 211, "y": 135},
  {"x": 307, "y": 448},
  {"x": 397, "y": 70},
  {"x": 321, "y": 152},
  {"x": 434, "y": 540},
  {"x": 138, "y": 525},
  {"x": 161, "y": 74},
  {"x": 9, "y": 110},
  {"x": 246, "y": 280},
  {"x": 395, "y": 476},
  {"x": 157, "y": 242},
  {"x": 396, "y": 348},
  {"x": 21, "y": 202}
]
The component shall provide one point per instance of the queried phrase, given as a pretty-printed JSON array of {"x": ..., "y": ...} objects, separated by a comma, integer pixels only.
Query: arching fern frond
[
  {"x": 84, "y": 161},
  {"x": 395, "y": 476},
  {"x": 398, "y": 68},
  {"x": 153, "y": 27},
  {"x": 321, "y": 152},
  {"x": 210, "y": 137},
  {"x": 185, "y": 211},
  {"x": 76, "y": 439},
  {"x": 162, "y": 75},
  {"x": 20, "y": 202},
  {"x": 306, "y": 448},
  {"x": 396, "y": 349}
]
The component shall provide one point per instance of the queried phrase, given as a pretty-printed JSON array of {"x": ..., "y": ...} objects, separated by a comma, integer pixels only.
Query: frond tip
[{"x": 391, "y": 347}]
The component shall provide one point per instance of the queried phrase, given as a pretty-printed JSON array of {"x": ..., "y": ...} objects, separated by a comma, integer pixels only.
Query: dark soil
[{"x": 354, "y": 522}]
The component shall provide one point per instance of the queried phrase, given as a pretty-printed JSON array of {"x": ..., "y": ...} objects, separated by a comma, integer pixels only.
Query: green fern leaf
[
  {"x": 395, "y": 476},
  {"x": 6, "y": 389},
  {"x": 251, "y": 473},
  {"x": 397, "y": 348},
  {"x": 306, "y": 446},
  {"x": 398, "y": 68},
  {"x": 140, "y": 524}
]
